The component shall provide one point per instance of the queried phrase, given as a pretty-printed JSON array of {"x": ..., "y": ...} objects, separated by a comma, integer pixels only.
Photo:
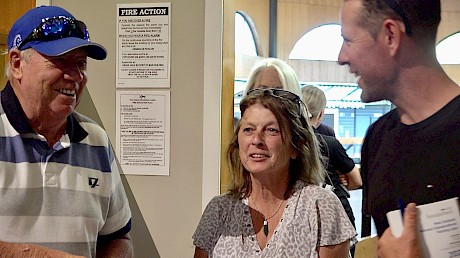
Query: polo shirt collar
[{"x": 18, "y": 119}]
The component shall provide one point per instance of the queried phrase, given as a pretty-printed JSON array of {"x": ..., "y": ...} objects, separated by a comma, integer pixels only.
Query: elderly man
[{"x": 60, "y": 188}]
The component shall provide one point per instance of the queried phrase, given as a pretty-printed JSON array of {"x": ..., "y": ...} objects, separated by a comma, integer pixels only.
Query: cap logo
[{"x": 17, "y": 40}]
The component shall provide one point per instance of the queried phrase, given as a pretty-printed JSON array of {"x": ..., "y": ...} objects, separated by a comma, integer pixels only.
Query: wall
[
  {"x": 171, "y": 205},
  {"x": 11, "y": 10}
]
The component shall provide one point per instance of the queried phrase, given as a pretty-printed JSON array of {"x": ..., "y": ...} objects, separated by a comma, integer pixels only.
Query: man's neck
[
  {"x": 52, "y": 134},
  {"x": 422, "y": 99}
]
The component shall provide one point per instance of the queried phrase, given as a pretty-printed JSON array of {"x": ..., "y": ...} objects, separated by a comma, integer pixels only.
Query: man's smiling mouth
[{"x": 67, "y": 92}]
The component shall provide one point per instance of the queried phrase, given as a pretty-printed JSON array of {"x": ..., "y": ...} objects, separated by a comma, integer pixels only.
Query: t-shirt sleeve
[
  {"x": 342, "y": 162},
  {"x": 209, "y": 229},
  {"x": 334, "y": 226}
]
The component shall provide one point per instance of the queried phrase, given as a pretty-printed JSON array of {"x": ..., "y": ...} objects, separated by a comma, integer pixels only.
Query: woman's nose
[{"x": 258, "y": 139}]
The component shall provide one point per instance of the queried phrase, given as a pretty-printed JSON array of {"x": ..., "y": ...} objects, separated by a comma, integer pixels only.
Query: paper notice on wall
[
  {"x": 143, "y": 45},
  {"x": 143, "y": 132}
]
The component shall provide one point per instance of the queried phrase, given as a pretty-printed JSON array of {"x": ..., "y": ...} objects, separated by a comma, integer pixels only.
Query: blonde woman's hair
[
  {"x": 314, "y": 98},
  {"x": 286, "y": 74}
]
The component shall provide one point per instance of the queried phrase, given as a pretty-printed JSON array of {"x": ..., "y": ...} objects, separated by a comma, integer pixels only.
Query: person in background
[
  {"x": 325, "y": 129},
  {"x": 275, "y": 206},
  {"x": 60, "y": 189},
  {"x": 404, "y": 154},
  {"x": 276, "y": 73},
  {"x": 273, "y": 73},
  {"x": 337, "y": 160},
  {"x": 343, "y": 175}
]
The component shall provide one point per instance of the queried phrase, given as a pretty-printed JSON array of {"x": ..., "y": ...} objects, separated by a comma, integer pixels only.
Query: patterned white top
[{"x": 313, "y": 217}]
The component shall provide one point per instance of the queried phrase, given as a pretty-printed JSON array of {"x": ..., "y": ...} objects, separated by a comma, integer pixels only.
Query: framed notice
[
  {"x": 143, "y": 132},
  {"x": 143, "y": 45}
]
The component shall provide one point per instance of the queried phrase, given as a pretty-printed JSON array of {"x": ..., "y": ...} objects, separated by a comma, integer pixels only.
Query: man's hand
[
  {"x": 20, "y": 250},
  {"x": 407, "y": 245}
]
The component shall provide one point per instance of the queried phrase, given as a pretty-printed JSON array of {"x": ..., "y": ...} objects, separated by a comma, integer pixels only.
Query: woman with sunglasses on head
[
  {"x": 276, "y": 73},
  {"x": 274, "y": 207}
]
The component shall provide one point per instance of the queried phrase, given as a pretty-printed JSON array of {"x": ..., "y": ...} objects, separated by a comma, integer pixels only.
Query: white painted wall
[{"x": 170, "y": 205}]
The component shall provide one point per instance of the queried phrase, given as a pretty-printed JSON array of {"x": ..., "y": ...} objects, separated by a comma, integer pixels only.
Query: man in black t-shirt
[{"x": 390, "y": 47}]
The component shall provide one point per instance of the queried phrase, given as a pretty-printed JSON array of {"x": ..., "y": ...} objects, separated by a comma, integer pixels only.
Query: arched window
[
  {"x": 246, "y": 37},
  {"x": 321, "y": 43},
  {"x": 446, "y": 50}
]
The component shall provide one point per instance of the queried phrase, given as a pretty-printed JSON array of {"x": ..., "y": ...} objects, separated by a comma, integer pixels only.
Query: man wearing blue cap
[{"x": 60, "y": 189}]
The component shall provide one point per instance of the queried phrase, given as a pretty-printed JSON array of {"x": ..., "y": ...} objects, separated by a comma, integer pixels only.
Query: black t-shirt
[
  {"x": 336, "y": 161},
  {"x": 417, "y": 163},
  {"x": 325, "y": 130}
]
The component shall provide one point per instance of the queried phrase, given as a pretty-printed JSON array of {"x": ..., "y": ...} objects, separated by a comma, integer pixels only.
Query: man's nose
[
  {"x": 342, "y": 59},
  {"x": 74, "y": 72}
]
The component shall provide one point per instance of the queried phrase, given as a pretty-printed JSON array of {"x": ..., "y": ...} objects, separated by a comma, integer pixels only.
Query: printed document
[{"x": 439, "y": 228}]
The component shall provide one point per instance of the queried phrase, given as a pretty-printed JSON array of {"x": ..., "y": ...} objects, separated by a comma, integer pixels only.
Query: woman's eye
[
  {"x": 273, "y": 131},
  {"x": 246, "y": 129}
]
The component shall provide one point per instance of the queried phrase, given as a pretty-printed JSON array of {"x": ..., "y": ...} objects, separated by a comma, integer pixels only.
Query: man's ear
[
  {"x": 15, "y": 63},
  {"x": 393, "y": 30}
]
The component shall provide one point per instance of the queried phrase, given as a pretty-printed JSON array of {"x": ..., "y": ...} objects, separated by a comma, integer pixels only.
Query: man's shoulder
[
  {"x": 83, "y": 118},
  {"x": 91, "y": 132},
  {"x": 390, "y": 119},
  {"x": 87, "y": 123}
]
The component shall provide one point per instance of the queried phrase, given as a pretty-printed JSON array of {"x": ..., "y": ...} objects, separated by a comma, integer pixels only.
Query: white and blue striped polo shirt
[{"x": 65, "y": 197}]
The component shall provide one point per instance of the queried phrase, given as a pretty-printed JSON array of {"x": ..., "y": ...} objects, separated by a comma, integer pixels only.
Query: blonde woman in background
[
  {"x": 342, "y": 171},
  {"x": 273, "y": 73}
]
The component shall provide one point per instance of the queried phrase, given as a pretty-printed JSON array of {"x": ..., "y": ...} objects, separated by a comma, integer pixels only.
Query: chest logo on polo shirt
[{"x": 93, "y": 181}]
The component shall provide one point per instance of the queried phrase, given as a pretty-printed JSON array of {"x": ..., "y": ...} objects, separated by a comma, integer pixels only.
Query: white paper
[
  {"x": 143, "y": 132},
  {"x": 143, "y": 45},
  {"x": 439, "y": 228}
]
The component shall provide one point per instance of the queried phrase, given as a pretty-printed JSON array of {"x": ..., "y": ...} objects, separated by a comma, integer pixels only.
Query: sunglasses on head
[
  {"x": 276, "y": 92},
  {"x": 57, "y": 28},
  {"x": 394, "y": 5},
  {"x": 280, "y": 93}
]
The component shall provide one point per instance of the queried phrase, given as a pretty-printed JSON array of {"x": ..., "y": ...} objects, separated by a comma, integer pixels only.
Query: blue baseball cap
[{"x": 32, "y": 19}]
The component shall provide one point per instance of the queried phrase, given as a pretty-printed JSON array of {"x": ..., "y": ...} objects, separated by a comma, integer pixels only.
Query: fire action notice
[{"x": 143, "y": 45}]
